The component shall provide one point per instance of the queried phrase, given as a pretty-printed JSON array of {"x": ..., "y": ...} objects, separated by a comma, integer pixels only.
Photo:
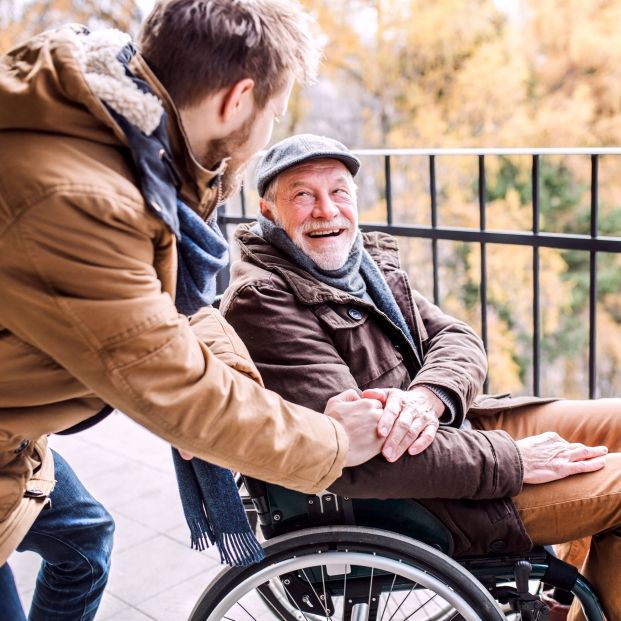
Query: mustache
[{"x": 340, "y": 222}]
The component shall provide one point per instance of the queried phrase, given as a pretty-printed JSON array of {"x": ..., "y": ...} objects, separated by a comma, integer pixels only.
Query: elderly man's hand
[
  {"x": 359, "y": 417},
  {"x": 548, "y": 457},
  {"x": 410, "y": 419}
]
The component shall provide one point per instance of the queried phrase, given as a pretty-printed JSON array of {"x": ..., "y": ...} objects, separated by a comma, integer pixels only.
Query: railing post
[
  {"x": 242, "y": 200},
  {"x": 223, "y": 276},
  {"x": 482, "y": 225},
  {"x": 434, "y": 226},
  {"x": 593, "y": 278},
  {"x": 536, "y": 296},
  {"x": 388, "y": 182}
]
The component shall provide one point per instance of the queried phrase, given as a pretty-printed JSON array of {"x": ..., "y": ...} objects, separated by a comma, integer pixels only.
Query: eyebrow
[{"x": 339, "y": 179}]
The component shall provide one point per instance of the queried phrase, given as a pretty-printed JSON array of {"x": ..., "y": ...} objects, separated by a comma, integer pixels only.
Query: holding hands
[
  {"x": 409, "y": 421},
  {"x": 360, "y": 417}
]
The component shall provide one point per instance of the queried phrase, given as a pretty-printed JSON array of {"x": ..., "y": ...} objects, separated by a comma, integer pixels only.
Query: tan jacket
[{"x": 87, "y": 279}]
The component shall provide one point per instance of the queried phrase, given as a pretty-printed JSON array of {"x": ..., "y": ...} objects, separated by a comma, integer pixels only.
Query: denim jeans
[{"x": 74, "y": 538}]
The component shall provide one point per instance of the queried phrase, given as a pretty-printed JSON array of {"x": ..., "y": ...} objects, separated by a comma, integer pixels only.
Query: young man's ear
[
  {"x": 238, "y": 101},
  {"x": 266, "y": 210}
]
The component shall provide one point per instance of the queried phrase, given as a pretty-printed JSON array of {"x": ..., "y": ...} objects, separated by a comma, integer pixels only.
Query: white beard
[{"x": 327, "y": 261}]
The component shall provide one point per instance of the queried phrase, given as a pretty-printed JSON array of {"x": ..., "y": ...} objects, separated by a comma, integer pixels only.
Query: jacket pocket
[{"x": 373, "y": 359}]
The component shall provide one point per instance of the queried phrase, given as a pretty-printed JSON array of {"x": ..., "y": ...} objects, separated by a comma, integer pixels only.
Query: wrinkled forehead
[{"x": 321, "y": 169}]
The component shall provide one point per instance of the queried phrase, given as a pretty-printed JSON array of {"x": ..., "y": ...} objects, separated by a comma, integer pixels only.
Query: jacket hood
[
  {"x": 382, "y": 247},
  {"x": 61, "y": 81},
  {"x": 57, "y": 82}
]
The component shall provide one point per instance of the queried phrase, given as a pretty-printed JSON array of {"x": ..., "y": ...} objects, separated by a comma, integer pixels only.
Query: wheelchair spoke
[
  {"x": 402, "y": 602},
  {"x": 370, "y": 593},
  {"x": 388, "y": 596},
  {"x": 294, "y": 601},
  {"x": 310, "y": 584},
  {"x": 344, "y": 595},
  {"x": 423, "y": 605},
  {"x": 247, "y": 611},
  {"x": 325, "y": 596}
]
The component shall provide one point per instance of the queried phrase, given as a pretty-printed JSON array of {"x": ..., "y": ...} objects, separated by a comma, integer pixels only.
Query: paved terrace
[{"x": 155, "y": 575}]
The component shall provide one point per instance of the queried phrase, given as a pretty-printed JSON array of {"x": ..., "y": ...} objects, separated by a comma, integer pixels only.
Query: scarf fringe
[
  {"x": 201, "y": 536},
  {"x": 239, "y": 549},
  {"x": 236, "y": 549}
]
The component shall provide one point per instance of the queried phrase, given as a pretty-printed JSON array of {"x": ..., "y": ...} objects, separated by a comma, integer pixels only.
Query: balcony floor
[{"x": 155, "y": 575}]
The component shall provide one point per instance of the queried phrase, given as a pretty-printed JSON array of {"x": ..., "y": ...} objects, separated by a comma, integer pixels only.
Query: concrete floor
[{"x": 155, "y": 575}]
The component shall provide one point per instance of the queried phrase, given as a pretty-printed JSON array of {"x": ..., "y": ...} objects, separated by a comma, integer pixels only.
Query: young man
[
  {"x": 342, "y": 315},
  {"x": 113, "y": 161}
]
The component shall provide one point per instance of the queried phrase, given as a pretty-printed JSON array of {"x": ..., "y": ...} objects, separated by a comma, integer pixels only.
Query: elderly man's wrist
[{"x": 450, "y": 410}]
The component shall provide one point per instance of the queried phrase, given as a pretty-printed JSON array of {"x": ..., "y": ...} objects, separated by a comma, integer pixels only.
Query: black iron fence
[{"x": 593, "y": 243}]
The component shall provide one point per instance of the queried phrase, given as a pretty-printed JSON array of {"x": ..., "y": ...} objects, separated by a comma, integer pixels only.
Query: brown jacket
[
  {"x": 311, "y": 341},
  {"x": 87, "y": 279}
]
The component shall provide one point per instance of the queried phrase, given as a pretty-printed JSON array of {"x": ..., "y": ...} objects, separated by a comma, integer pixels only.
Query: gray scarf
[
  {"x": 360, "y": 276},
  {"x": 346, "y": 278}
]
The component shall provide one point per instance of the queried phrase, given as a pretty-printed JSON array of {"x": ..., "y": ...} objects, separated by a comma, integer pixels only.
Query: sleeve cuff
[{"x": 452, "y": 415}]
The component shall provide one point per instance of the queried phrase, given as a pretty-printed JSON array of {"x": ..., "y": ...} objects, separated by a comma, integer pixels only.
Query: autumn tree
[
  {"x": 20, "y": 19},
  {"x": 419, "y": 73}
]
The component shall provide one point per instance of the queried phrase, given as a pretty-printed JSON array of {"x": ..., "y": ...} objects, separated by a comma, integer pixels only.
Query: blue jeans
[{"x": 74, "y": 538}]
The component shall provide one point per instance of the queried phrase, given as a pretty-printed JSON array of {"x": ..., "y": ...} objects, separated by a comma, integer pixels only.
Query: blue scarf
[
  {"x": 211, "y": 503},
  {"x": 202, "y": 252}
]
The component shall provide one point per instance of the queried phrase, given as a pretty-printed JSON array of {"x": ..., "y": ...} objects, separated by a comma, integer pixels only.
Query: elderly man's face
[{"x": 316, "y": 206}]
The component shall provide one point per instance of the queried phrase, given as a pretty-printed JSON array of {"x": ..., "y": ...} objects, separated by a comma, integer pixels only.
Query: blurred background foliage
[{"x": 458, "y": 73}]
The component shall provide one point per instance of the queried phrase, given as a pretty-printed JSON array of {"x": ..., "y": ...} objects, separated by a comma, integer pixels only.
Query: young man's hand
[
  {"x": 359, "y": 417},
  {"x": 410, "y": 419}
]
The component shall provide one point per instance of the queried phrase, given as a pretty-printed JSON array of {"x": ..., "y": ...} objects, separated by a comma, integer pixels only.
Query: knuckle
[{"x": 412, "y": 434}]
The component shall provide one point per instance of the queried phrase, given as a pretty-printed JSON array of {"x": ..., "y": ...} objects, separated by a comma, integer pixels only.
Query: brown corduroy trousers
[{"x": 582, "y": 511}]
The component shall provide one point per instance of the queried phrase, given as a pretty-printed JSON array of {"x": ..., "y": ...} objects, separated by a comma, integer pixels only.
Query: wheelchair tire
[{"x": 383, "y": 570}]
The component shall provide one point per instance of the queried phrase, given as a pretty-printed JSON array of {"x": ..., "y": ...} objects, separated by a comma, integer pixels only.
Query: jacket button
[
  {"x": 499, "y": 545},
  {"x": 23, "y": 445},
  {"x": 355, "y": 314},
  {"x": 34, "y": 493}
]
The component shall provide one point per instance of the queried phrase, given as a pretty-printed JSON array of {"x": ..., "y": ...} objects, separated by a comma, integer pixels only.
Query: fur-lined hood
[{"x": 59, "y": 81}]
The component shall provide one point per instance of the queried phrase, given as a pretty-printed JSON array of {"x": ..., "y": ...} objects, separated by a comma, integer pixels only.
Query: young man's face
[
  {"x": 242, "y": 144},
  {"x": 316, "y": 206}
]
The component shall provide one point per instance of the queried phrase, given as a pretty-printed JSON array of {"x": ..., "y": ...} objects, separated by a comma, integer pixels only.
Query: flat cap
[{"x": 298, "y": 149}]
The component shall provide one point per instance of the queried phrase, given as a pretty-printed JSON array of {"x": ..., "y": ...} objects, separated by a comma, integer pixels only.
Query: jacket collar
[{"x": 382, "y": 247}]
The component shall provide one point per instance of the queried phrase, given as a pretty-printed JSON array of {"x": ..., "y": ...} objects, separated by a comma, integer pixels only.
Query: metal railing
[{"x": 593, "y": 243}]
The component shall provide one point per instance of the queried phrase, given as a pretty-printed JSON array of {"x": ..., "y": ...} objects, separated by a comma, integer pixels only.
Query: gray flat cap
[{"x": 297, "y": 149}]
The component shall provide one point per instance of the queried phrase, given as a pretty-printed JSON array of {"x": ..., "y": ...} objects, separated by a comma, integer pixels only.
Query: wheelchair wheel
[{"x": 351, "y": 574}]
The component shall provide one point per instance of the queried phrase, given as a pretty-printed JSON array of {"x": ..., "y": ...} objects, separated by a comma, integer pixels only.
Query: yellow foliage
[{"x": 21, "y": 19}]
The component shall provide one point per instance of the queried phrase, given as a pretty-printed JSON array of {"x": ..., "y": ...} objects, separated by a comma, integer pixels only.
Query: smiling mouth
[{"x": 325, "y": 233}]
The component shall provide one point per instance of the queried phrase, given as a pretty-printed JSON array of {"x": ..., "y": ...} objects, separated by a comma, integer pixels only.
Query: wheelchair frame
[{"x": 305, "y": 532}]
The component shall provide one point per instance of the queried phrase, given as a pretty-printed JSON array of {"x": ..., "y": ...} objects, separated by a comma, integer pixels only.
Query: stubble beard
[{"x": 221, "y": 148}]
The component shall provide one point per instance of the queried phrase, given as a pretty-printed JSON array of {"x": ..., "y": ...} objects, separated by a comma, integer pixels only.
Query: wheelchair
[{"x": 336, "y": 558}]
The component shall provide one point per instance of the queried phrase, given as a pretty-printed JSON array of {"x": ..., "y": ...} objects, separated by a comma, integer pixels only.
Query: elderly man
[
  {"x": 323, "y": 308},
  {"x": 113, "y": 161}
]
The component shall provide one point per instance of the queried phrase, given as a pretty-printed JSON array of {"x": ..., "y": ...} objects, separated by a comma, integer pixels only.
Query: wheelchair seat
[{"x": 281, "y": 510}]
